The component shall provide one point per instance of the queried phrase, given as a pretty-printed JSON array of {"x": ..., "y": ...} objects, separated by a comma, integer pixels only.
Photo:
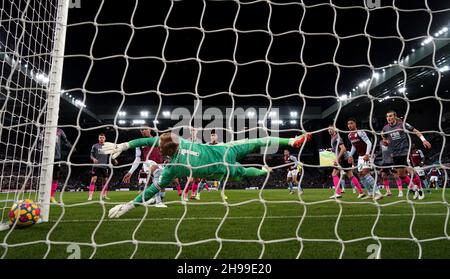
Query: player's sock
[
  {"x": 177, "y": 185},
  {"x": 417, "y": 181},
  {"x": 427, "y": 186},
  {"x": 158, "y": 198},
  {"x": 291, "y": 186},
  {"x": 194, "y": 189},
  {"x": 355, "y": 182},
  {"x": 342, "y": 184},
  {"x": 399, "y": 184},
  {"x": 386, "y": 185},
  {"x": 162, "y": 195},
  {"x": 91, "y": 189},
  {"x": 366, "y": 185},
  {"x": 54, "y": 187},
  {"x": 186, "y": 191},
  {"x": 206, "y": 186},
  {"x": 201, "y": 185},
  {"x": 371, "y": 183},
  {"x": 407, "y": 180},
  {"x": 146, "y": 195},
  {"x": 105, "y": 189},
  {"x": 336, "y": 184}
]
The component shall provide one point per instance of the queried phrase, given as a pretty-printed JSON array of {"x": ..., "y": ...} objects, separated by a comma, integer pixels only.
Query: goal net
[
  {"x": 225, "y": 71},
  {"x": 29, "y": 100}
]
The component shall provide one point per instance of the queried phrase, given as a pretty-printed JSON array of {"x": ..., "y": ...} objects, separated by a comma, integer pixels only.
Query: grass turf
[{"x": 208, "y": 228}]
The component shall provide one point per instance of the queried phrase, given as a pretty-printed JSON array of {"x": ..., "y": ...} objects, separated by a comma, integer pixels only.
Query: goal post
[
  {"x": 31, "y": 56},
  {"x": 53, "y": 99}
]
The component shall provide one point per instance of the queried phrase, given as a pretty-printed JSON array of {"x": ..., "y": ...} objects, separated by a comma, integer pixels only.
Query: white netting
[
  {"x": 275, "y": 55},
  {"x": 27, "y": 30}
]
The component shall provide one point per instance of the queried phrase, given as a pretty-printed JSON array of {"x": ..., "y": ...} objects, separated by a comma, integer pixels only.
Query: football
[{"x": 25, "y": 212}]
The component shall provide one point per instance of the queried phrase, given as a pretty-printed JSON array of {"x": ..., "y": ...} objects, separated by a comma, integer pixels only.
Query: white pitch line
[{"x": 247, "y": 217}]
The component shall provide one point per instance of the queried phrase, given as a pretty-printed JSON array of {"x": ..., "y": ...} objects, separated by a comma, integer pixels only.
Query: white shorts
[
  {"x": 363, "y": 164},
  {"x": 292, "y": 173},
  {"x": 419, "y": 171},
  {"x": 146, "y": 168},
  {"x": 433, "y": 179}
]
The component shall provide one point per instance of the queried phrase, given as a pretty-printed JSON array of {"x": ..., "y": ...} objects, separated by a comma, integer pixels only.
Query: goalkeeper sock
[
  {"x": 251, "y": 172},
  {"x": 146, "y": 195},
  {"x": 158, "y": 198},
  {"x": 356, "y": 183},
  {"x": 54, "y": 187}
]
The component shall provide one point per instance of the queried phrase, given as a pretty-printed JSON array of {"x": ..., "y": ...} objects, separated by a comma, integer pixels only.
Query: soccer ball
[{"x": 26, "y": 212}]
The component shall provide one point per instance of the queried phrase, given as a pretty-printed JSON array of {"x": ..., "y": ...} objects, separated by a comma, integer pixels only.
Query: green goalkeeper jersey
[
  {"x": 209, "y": 161},
  {"x": 206, "y": 161}
]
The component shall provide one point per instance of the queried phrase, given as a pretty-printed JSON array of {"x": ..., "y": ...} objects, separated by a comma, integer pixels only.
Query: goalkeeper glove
[
  {"x": 299, "y": 140},
  {"x": 114, "y": 149},
  {"x": 120, "y": 209}
]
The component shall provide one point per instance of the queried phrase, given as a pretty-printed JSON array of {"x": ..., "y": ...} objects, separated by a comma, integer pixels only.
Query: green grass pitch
[{"x": 290, "y": 228}]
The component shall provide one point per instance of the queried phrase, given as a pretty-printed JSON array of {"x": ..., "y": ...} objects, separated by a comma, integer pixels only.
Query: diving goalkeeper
[{"x": 197, "y": 160}]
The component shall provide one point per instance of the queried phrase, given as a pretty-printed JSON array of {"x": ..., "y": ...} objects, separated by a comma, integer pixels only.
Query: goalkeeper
[{"x": 197, "y": 160}]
